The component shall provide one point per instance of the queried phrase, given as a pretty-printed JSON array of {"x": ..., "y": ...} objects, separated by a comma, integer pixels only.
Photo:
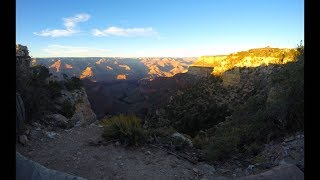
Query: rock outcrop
[
  {"x": 22, "y": 66},
  {"x": 250, "y": 58},
  {"x": 121, "y": 76},
  {"x": 83, "y": 113},
  {"x": 200, "y": 71},
  {"x": 74, "y": 95},
  {"x": 86, "y": 73}
]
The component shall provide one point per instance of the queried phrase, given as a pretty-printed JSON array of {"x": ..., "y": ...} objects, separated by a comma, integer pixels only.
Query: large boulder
[
  {"x": 58, "y": 120},
  {"x": 182, "y": 138},
  {"x": 83, "y": 113}
]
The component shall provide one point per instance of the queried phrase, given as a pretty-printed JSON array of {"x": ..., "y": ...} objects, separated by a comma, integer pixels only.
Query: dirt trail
[{"x": 69, "y": 152}]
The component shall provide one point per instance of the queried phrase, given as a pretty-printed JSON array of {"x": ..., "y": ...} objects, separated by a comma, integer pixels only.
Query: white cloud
[
  {"x": 74, "y": 51},
  {"x": 70, "y": 23},
  {"x": 129, "y": 32},
  {"x": 56, "y": 32}
]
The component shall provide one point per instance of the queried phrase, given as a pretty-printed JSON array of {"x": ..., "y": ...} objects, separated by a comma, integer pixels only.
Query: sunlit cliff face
[
  {"x": 250, "y": 58},
  {"x": 109, "y": 68},
  {"x": 56, "y": 65},
  {"x": 126, "y": 67},
  {"x": 121, "y": 76},
  {"x": 68, "y": 66},
  {"x": 166, "y": 67},
  {"x": 86, "y": 73}
]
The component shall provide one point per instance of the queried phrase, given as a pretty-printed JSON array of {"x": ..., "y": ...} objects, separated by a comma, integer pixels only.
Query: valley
[{"x": 209, "y": 120}]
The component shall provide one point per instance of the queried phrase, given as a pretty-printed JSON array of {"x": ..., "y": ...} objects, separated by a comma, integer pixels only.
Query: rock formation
[
  {"x": 78, "y": 99},
  {"x": 250, "y": 58},
  {"x": 121, "y": 76},
  {"x": 22, "y": 67},
  {"x": 86, "y": 73},
  {"x": 83, "y": 113},
  {"x": 201, "y": 71}
]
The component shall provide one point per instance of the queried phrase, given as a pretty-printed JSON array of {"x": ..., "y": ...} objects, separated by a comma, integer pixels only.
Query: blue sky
[{"x": 141, "y": 28}]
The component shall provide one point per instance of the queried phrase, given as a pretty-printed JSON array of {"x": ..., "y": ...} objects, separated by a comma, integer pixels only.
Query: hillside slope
[
  {"x": 231, "y": 116},
  {"x": 250, "y": 58}
]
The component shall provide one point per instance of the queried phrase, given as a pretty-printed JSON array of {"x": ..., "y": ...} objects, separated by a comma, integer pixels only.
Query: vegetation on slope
[
  {"x": 39, "y": 93},
  {"x": 267, "y": 114},
  {"x": 250, "y": 58},
  {"x": 127, "y": 129}
]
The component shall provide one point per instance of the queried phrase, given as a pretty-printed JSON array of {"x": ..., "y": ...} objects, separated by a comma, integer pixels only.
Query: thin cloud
[
  {"x": 57, "y": 32},
  {"x": 74, "y": 51},
  {"x": 70, "y": 23},
  {"x": 129, "y": 32}
]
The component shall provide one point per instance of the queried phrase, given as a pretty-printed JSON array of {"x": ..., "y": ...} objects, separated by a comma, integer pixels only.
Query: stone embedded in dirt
[
  {"x": 27, "y": 131},
  {"x": 117, "y": 143},
  {"x": 35, "y": 124},
  {"x": 208, "y": 169},
  {"x": 195, "y": 170},
  {"x": 23, "y": 139},
  {"x": 51, "y": 135},
  {"x": 148, "y": 153},
  {"x": 251, "y": 167},
  {"x": 289, "y": 139},
  {"x": 119, "y": 157},
  {"x": 178, "y": 135},
  {"x": 78, "y": 123},
  {"x": 224, "y": 171}
]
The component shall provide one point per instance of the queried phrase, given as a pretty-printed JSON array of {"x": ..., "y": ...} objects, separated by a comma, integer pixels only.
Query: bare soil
[{"x": 69, "y": 152}]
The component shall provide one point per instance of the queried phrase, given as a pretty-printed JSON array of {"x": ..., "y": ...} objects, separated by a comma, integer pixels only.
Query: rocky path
[{"x": 68, "y": 151}]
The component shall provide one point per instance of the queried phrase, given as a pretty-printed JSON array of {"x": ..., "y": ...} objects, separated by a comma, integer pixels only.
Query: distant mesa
[
  {"x": 106, "y": 69},
  {"x": 86, "y": 73},
  {"x": 109, "y": 68},
  {"x": 125, "y": 66},
  {"x": 68, "y": 66},
  {"x": 121, "y": 77},
  {"x": 56, "y": 65},
  {"x": 251, "y": 58},
  {"x": 101, "y": 61}
]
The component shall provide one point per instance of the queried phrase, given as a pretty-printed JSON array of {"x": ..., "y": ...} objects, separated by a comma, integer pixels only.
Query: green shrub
[
  {"x": 162, "y": 131},
  {"x": 200, "y": 141},
  {"x": 73, "y": 83},
  {"x": 55, "y": 88},
  {"x": 127, "y": 129},
  {"x": 224, "y": 142},
  {"x": 67, "y": 109},
  {"x": 197, "y": 109},
  {"x": 40, "y": 72}
]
